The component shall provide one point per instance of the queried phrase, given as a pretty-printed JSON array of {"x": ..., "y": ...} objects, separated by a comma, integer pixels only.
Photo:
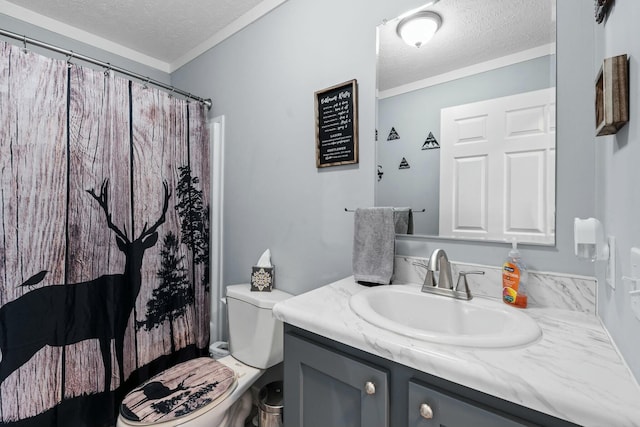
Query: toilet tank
[{"x": 255, "y": 336}]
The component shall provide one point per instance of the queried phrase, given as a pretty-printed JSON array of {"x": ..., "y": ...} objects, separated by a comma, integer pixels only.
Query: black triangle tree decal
[
  {"x": 393, "y": 135},
  {"x": 430, "y": 143},
  {"x": 404, "y": 164}
]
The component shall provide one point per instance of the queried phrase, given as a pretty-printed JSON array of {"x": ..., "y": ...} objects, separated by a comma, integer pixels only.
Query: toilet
[{"x": 206, "y": 392}]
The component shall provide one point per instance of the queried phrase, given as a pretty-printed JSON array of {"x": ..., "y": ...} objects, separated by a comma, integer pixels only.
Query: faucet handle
[{"x": 462, "y": 277}]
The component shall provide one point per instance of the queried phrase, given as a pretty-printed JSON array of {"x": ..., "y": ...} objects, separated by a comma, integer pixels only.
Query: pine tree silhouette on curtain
[
  {"x": 194, "y": 220},
  {"x": 174, "y": 295}
]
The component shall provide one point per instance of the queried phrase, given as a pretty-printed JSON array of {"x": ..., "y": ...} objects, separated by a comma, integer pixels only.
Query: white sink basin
[{"x": 480, "y": 323}]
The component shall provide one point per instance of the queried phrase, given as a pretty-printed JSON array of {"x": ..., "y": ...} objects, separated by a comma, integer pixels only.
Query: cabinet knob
[
  {"x": 369, "y": 388},
  {"x": 426, "y": 411}
]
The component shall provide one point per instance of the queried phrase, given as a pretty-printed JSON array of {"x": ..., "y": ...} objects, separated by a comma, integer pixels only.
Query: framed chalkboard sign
[{"x": 337, "y": 125}]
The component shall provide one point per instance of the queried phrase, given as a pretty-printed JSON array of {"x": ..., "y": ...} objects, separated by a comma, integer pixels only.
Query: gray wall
[
  {"x": 414, "y": 114},
  {"x": 26, "y": 29},
  {"x": 618, "y": 178},
  {"x": 263, "y": 79}
]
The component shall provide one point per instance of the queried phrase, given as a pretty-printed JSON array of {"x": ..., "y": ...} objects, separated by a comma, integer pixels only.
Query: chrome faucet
[{"x": 438, "y": 262}]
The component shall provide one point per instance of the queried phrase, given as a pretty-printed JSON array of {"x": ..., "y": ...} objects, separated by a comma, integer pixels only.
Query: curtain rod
[{"x": 71, "y": 54}]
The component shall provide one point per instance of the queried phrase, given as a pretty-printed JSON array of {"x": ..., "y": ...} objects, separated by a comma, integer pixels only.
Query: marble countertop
[{"x": 573, "y": 372}]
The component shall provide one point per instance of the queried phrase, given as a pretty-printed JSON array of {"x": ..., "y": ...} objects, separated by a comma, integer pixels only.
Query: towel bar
[{"x": 412, "y": 210}]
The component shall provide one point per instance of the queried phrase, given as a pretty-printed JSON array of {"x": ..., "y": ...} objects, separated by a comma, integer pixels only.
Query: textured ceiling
[
  {"x": 161, "y": 29},
  {"x": 472, "y": 32}
]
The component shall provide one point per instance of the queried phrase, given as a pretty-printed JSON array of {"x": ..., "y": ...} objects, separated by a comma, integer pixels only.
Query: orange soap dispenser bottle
[{"x": 514, "y": 279}]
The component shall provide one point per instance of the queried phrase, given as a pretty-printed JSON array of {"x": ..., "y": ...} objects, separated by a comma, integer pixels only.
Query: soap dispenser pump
[{"x": 514, "y": 278}]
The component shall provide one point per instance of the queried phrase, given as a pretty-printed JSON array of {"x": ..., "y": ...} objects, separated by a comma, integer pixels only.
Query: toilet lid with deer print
[{"x": 179, "y": 391}]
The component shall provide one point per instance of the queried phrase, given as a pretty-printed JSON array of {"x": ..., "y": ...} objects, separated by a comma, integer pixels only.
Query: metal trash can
[{"x": 270, "y": 405}]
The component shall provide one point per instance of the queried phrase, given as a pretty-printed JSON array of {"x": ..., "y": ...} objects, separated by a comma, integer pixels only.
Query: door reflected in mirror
[{"x": 466, "y": 121}]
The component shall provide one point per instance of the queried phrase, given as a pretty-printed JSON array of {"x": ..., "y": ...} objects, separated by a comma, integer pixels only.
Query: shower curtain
[{"x": 104, "y": 238}]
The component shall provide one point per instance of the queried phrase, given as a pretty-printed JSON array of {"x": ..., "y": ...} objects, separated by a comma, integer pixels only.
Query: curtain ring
[
  {"x": 107, "y": 71},
  {"x": 24, "y": 44},
  {"x": 146, "y": 84},
  {"x": 69, "y": 58},
  {"x": 173, "y": 89}
]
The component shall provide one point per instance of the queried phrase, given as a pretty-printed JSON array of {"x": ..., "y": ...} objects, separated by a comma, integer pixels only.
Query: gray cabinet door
[
  {"x": 323, "y": 388},
  {"x": 451, "y": 412}
]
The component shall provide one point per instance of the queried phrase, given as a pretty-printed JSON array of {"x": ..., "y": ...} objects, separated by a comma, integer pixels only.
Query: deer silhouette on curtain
[{"x": 104, "y": 237}]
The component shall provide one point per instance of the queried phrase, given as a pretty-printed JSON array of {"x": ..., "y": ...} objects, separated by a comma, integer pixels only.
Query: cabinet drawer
[{"x": 447, "y": 410}]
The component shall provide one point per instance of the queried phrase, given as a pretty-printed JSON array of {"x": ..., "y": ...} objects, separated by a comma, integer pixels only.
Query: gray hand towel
[
  {"x": 373, "y": 245},
  {"x": 403, "y": 218}
]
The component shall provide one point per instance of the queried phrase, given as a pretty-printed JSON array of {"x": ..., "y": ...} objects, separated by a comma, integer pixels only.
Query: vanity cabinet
[{"x": 327, "y": 383}]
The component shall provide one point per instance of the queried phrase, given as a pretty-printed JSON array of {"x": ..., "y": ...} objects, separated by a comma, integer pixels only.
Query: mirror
[{"x": 466, "y": 122}]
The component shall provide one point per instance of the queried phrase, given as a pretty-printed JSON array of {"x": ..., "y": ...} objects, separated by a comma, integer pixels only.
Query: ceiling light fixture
[{"x": 419, "y": 28}]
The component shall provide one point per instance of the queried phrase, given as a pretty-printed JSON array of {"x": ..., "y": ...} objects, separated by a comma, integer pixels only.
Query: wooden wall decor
[{"x": 612, "y": 95}]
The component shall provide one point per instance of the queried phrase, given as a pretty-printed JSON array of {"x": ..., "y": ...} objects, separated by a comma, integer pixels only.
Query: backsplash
[{"x": 544, "y": 290}]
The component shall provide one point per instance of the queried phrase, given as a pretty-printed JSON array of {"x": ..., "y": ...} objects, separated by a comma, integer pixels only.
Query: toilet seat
[{"x": 180, "y": 393}]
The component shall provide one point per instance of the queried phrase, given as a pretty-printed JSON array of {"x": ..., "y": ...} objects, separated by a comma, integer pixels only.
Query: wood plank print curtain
[{"x": 104, "y": 236}]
